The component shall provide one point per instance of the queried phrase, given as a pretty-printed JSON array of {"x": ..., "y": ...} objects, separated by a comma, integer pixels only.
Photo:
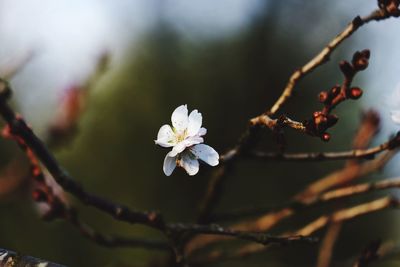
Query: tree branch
[
  {"x": 113, "y": 241},
  {"x": 247, "y": 140},
  {"x": 11, "y": 258},
  {"x": 20, "y": 129},
  {"x": 257, "y": 237},
  {"x": 342, "y": 215},
  {"x": 320, "y": 156},
  {"x": 323, "y": 56},
  {"x": 302, "y": 200}
]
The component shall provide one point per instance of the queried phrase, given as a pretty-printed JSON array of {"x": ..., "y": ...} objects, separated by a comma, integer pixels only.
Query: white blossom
[{"x": 186, "y": 138}]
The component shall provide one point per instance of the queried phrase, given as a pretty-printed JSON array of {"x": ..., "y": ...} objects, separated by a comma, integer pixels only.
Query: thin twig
[
  {"x": 323, "y": 56},
  {"x": 258, "y": 237},
  {"x": 210, "y": 200},
  {"x": 320, "y": 156},
  {"x": 369, "y": 127},
  {"x": 348, "y": 191},
  {"x": 349, "y": 213},
  {"x": 300, "y": 201}
]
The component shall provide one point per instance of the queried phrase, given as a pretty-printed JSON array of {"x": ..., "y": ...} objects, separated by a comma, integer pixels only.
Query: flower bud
[
  {"x": 320, "y": 119},
  {"x": 360, "y": 59},
  {"x": 390, "y": 6},
  {"x": 317, "y": 114},
  {"x": 320, "y": 122},
  {"x": 355, "y": 93},
  {"x": 323, "y": 97},
  {"x": 366, "y": 53},
  {"x": 325, "y": 137},
  {"x": 346, "y": 68}
]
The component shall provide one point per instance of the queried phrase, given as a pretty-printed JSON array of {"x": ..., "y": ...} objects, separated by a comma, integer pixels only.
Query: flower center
[{"x": 180, "y": 136}]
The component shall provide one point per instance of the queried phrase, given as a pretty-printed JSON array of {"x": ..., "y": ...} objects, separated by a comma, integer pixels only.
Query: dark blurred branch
[
  {"x": 342, "y": 215},
  {"x": 216, "y": 183},
  {"x": 10, "y": 258},
  {"x": 375, "y": 251},
  {"x": 328, "y": 243},
  {"x": 112, "y": 241},
  {"x": 369, "y": 254},
  {"x": 306, "y": 198},
  {"x": 301, "y": 200},
  {"x": 340, "y": 193},
  {"x": 369, "y": 127},
  {"x": 19, "y": 128},
  {"x": 59, "y": 209}
]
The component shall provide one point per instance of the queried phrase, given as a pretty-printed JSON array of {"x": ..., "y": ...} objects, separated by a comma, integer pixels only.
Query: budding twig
[
  {"x": 323, "y": 56},
  {"x": 211, "y": 197},
  {"x": 368, "y": 127}
]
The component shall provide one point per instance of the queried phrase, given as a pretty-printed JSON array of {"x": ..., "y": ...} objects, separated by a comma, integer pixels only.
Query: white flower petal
[
  {"x": 206, "y": 154},
  {"x": 202, "y": 131},
  {"x": 180, "y": 118},
  {"x": 193, "y": 140},
  {"x": 189, "y": 163},
  {"x": 165, "y": 136},
  {"x": 178, "y": 148},
  {"x": 181, "y": 146},
  {"x": 395, "y": 115},
  {"x": 195, "y": 121},
  {"x": 169, "y": 164}
]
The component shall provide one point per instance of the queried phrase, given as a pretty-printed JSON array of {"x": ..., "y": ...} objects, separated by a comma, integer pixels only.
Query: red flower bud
[
  {"x": 325, "y": 137},
  {"x": 390, "y": 6},
  {"x": 317, "y": 114},
  {"x": 323, "y": 97},
  {"x": 355, "y": 93}
]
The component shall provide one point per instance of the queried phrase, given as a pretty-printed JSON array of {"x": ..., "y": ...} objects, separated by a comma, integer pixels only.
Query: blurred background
[{"x": 96, "y": 79}]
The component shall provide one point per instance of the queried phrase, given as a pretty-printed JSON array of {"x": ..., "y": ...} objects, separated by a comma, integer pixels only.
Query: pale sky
[{"x": 66, "y": 37}]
